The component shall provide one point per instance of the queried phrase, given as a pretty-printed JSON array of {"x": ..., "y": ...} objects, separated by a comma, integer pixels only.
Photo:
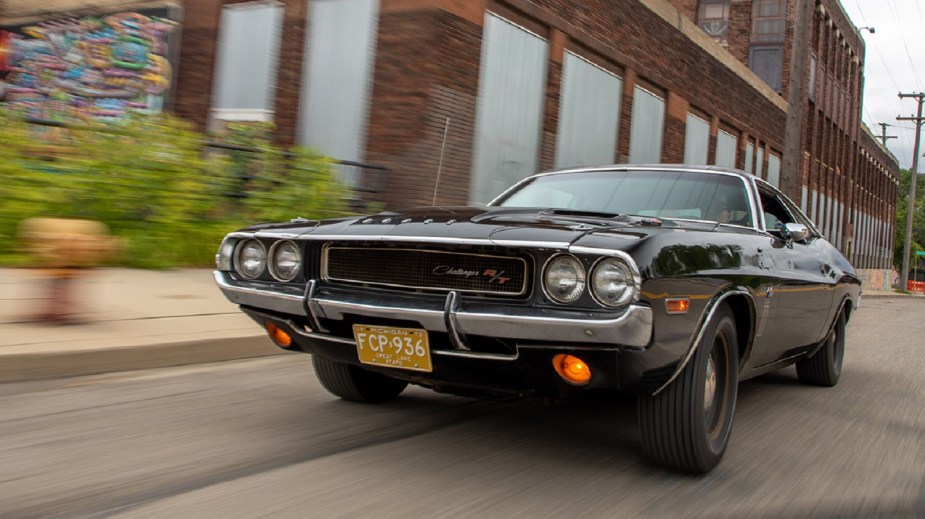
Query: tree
[{"x": 918, "y": 221}]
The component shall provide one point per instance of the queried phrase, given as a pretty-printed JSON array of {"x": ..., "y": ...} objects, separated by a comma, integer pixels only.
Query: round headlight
[
  {"x": 613, "y": 282},
  {"x": 285, "y": 260},
  {"x": 564, "y": 279},
  {"x": 252, "y": 258}
]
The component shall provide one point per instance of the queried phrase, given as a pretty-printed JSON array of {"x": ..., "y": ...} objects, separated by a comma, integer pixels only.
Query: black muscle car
[{"x": 670, "y": 282}]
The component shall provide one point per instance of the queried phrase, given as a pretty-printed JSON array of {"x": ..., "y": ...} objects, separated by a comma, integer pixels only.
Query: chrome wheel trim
[{"x": 709, "y": 386}]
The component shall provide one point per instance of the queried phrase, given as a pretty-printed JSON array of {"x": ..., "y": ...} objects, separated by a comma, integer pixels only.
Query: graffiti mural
[{"x": 100, "y": 67}]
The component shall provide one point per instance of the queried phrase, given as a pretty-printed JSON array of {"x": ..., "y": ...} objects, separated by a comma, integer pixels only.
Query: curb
[
  {"x": 41, "y": 366},
  {"x": 894, "y": 295}
]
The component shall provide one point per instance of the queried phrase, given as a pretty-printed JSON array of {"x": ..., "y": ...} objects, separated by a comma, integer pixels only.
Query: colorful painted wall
[{"x": 94, "y": 67}]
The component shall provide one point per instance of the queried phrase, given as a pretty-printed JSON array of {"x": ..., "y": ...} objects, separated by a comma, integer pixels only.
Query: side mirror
[{"x": 794, "y": 232}]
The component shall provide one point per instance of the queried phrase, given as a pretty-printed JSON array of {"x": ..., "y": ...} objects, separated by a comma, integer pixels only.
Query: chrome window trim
[{"x": 747, "y": 180}]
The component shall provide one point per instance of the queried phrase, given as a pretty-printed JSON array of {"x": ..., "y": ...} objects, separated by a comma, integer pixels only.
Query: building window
[
  {"x": 696, "y": 140},
  {"x": 589, "y": 115},
  {"x": 768, "y": 64},
  {"x": 726, "y": 144},
  {"x": 647, "y": 127},
  {"x": 750, "y": 157},
  {"x": 337, "y": 79},
  {"x": 248, "y": 51},
  {"x": 509, "y": 112},
  {"x": 774, "y": 170},
  {"x": 812, "y": 77},
  {"x": 713, "y": 18},
  {"x": 769, "y": 21}
]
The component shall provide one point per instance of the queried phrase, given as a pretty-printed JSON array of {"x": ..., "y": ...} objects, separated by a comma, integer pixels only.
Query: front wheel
[
  {"x": 356, "y": 384},
  {"x": 824, "y": 367},
  {"x": 687, "y": 425}
]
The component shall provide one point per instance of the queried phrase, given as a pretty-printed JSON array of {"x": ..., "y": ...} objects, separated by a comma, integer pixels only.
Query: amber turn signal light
[
  {"x": 278, "y": 336},
  {"x": 572, "y": 369},
  {"x": 679, "y": 305}
]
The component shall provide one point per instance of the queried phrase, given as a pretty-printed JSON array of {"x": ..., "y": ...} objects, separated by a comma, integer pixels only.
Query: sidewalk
[{"x": 130, "y": 319}]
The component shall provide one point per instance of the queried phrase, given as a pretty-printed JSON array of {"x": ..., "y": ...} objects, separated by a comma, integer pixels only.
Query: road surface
[{"x": 261, "y": 438}]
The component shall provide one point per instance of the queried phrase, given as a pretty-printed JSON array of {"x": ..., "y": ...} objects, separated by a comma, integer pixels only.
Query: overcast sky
[{"x": 895, "y": 62}]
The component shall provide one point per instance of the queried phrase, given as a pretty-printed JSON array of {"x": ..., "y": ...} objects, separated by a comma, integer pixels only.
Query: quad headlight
[
  {"x": 614, "y": 282},
  {"x": 564, "y": 279},
  {"x": 250, "y": 258},
  {"x": 285, "y": 260}
]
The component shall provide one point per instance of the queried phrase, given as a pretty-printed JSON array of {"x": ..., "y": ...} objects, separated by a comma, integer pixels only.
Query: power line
[{"x": 895, "y": 13}]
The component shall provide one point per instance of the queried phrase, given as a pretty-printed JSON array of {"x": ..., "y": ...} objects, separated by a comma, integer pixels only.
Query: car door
[{"x": 801, "y": 294}]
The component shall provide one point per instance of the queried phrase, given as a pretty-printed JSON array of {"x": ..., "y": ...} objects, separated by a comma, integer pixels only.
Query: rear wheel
[
  {"x": 687, "y": 425},
  {"x": 356, "y": 384},
  {"x": 824, "y": 367}
]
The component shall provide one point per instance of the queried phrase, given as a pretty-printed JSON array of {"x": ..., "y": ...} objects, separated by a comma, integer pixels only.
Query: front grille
[{"x": 426, "y": 270}]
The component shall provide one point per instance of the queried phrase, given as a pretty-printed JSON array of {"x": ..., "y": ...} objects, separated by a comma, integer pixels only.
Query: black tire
[
  {"x": 356, "y": 384},
  {"x": 684, "y": 427},
  {"x": 824, "y": 367}
]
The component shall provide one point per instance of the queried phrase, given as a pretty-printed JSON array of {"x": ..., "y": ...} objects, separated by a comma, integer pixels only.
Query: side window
[{"x": 774, "y": 212}]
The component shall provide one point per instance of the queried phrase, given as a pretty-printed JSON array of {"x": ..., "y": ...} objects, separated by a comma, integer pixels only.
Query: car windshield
[{"x": 660, "y": 194}]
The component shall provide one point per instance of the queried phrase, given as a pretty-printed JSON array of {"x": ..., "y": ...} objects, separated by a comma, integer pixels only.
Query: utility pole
[
  {"x": 907, "y": 243},
  {"x": 792, "y": 164},
  {"x": 883, "y": 136}
]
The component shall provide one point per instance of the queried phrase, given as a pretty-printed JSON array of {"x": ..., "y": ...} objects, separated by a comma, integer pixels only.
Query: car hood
[{"x": 501, "y": 225}]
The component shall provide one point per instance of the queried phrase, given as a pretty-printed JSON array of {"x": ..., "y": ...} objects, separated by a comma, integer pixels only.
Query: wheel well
[
  {"x": 744, "y": 317},
  {"x": 847, "y": 304}
]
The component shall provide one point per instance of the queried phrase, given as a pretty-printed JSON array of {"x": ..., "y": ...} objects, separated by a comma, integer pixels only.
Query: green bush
[{"x": 156, "y": 186}]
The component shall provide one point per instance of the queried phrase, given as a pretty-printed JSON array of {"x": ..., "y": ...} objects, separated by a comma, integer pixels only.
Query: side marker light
[{"x": 677, "y": 305}]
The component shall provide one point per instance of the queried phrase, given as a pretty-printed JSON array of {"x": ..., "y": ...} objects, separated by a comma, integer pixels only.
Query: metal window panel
[
  {"x": 774, "y": 170},
  {"x": 647, "y": 127},
  {"x": 803, "y": 195},
  {"x": 749, "y": 157},
  {"x": 759, "y": 163},
  {"x": 337, "y": 80},
  {"x": 248, "y": 52},
  {"x": 509, "y": 112},
  {"x": 696, "y": 140},
  {"x": 726, "y": 144},
  {"x": 589, "y": 116}
]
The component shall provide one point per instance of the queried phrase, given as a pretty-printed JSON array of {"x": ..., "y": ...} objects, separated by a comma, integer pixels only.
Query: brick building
[{"x": 480, "y": 93}]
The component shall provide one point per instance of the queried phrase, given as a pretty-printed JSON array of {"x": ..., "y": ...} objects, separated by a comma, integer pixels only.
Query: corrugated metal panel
[
  {"x": 339, "y": 55},
  {"x": 248, "y": 52},
  {"x": 509, "y": 114},
  {"x": 647, "y": 127},
  {"x": 726, "y": 144},
  {"x": 589, "y": 115},
  {"x": 696, "y": 140}
]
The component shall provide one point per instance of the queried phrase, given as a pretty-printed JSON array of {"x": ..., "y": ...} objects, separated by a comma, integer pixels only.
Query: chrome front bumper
[{"x": 630, "y": 328}]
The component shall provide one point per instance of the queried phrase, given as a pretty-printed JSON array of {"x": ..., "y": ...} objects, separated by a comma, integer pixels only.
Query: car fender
[
  {"x": 706, "y": 318},
  {"x": 841, "y": 310}
]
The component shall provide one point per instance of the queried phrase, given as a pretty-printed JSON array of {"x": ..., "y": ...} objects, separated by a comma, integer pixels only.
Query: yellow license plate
[{"x": 405, "y": 348}]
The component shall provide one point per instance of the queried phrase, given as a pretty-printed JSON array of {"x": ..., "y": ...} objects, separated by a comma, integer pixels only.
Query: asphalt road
[{"x": 261, "y": 438}]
